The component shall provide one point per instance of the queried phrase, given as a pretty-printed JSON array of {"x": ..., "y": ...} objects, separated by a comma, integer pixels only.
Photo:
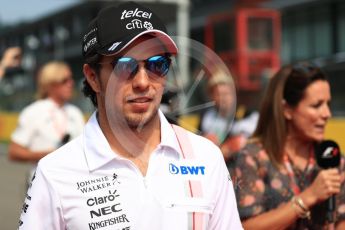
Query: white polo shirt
[
  {"x": 85, "y": 185},
  {"x": 42, "y": 124}
]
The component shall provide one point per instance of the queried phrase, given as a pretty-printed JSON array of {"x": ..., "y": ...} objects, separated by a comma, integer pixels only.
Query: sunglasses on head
[
  {"x": 65, "y": 80},
  {"x": 157, "y": 65}
]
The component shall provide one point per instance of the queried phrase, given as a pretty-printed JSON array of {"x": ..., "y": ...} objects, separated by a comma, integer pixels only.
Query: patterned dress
[{"x": 261, "y": 187}]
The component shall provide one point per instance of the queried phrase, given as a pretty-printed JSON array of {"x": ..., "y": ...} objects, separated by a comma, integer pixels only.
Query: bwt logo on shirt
[{"x": 186, "y": 170}]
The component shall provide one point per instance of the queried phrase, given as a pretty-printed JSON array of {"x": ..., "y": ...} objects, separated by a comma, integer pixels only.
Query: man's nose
[{"x": 141, "y": 79}]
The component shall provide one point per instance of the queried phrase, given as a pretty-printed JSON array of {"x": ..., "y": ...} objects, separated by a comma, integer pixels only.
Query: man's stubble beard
[{"x": 139, "y": 121}]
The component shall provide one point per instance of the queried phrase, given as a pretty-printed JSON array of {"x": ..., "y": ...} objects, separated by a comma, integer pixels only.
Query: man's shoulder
[
  {"x": 190, "y": 135},
  {"x": 202, "y": 147}
]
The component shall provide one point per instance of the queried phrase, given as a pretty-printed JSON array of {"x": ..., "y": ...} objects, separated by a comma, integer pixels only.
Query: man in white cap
[{"x": 130, "y": 169}]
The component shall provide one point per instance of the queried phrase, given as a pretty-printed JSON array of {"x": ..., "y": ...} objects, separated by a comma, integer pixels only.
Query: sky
[{"x": 15, "y": 11}]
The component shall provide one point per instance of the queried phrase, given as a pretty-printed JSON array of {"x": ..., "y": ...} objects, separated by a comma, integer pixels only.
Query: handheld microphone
[{"x": 328, "y": 156}]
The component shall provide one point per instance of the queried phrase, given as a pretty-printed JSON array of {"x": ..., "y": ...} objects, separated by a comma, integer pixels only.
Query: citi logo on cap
[
  {"x": 135, "y": 13},
  {"x": 138, "y": 24}
]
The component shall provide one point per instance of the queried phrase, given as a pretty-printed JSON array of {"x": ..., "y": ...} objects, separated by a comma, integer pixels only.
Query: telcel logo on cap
[
  {"x": 137, "y": 23},
  {"x": 135, "y": 13}
]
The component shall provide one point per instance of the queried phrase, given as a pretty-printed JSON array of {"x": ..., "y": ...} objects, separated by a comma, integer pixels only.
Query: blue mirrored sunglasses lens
[
  {"x": 126, "y": 66},
  {"x": 158, "y": 65}
]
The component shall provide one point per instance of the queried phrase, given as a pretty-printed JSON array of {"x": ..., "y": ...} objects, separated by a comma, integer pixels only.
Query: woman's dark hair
[
  {"x": 301, "y": 76},
  {"x": 92, "y": 60},
  {"x": 288, "y": 86}
]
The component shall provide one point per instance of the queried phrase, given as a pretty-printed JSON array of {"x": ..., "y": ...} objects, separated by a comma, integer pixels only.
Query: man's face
[{"x": 133, "y": 99}]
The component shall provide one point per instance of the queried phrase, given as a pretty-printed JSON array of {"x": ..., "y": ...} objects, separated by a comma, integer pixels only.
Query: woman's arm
[
  {"x": 325, "y": 184},
  {"x": 280, "y": 218}
]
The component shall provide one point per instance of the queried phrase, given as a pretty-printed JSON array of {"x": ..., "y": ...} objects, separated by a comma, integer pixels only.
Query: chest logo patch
[{"x": 186, "y": 169}]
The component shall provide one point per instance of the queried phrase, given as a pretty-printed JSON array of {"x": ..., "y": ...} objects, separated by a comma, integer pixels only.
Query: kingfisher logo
[{"x": 186, "y": 170}]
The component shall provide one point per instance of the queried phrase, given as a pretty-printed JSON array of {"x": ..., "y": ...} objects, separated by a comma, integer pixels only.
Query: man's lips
[
  {"x": 139, "y": 100},
  {"x": 139, "y": 104}
]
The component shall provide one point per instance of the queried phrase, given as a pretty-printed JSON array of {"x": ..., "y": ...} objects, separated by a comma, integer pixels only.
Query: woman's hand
[{"x": 326, "y": 184}]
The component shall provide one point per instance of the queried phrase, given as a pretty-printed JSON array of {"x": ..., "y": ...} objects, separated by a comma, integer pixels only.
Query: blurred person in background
[
  {"x": 217, "y": 122},
  {"x": 16, "y": 84},
  {"x": 168, "y": 106},
  {"x": 10, "y": 60},
  {"x": 49, "y": 122},
  {"x": 280, "y": 185}
]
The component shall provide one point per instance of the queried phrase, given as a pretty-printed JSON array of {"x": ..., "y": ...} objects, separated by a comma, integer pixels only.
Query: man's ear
[
  {"x": 287, "y": 110},
  {"x": 91, "y": 78}
]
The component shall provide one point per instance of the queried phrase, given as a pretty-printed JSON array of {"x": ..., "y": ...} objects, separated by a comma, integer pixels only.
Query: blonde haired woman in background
[{"x": 49, "y": 122}]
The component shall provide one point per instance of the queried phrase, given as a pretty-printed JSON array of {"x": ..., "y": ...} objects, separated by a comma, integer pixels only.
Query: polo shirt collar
[
  {"x": 168, "y": 135},
  {"x": 96, "y": 147},
  {"x": 98, "y": 151}
]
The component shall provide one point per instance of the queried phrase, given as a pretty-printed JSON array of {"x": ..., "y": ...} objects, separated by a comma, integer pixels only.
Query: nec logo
[
  {"x": 186, "y": 170},
  {"x": 330, "y": 152}
]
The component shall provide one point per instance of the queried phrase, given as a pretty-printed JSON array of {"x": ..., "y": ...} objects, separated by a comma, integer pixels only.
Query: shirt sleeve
[
  {"x": 250, "y": 185},
  {"x": 25, "y": 129},
  {"x": 225, "y": 214},
  {"x": 41, "y": 209}
]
